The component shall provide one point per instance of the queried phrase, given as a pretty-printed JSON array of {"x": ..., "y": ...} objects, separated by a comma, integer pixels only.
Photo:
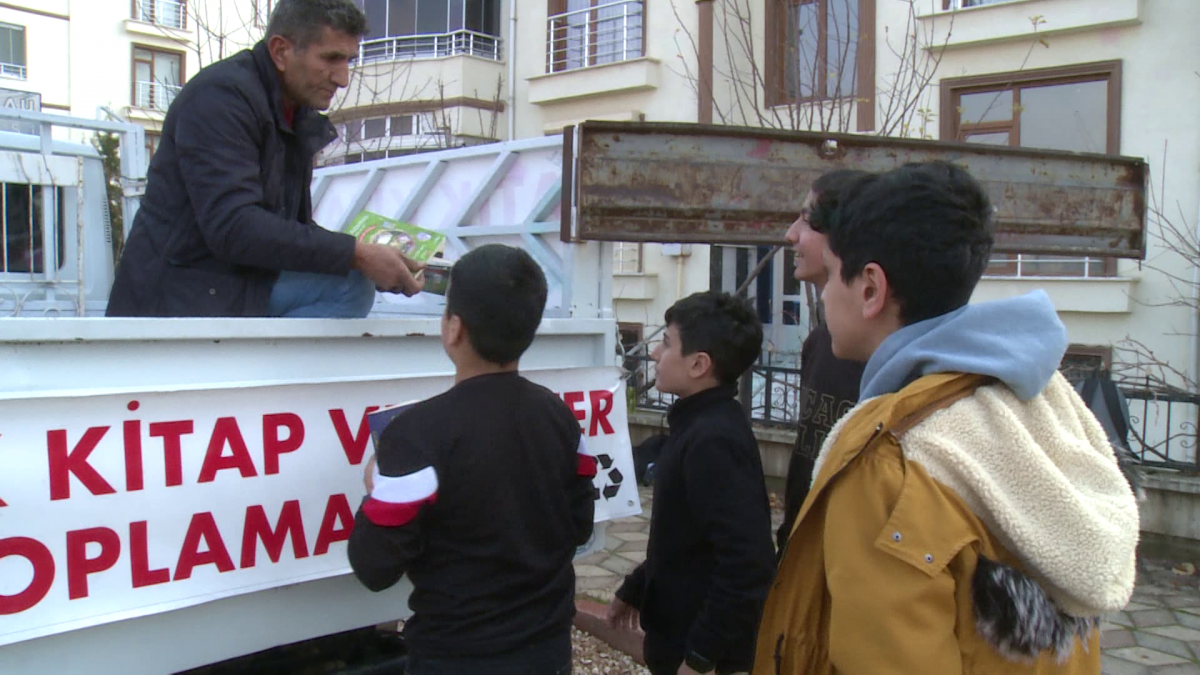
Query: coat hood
[
  {"x": 1042, "y": 476},
  {"x": 1019, "y": 341}
]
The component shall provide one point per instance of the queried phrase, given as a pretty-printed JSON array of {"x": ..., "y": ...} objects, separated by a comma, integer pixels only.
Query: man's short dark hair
[
  {"x": 499, "y": 293},
  {"x": 929, "y": 226},
  {"x": 829, "y": 189},
  {"x": 301, "y": 21},
  {"x": 721, "y": 325}
]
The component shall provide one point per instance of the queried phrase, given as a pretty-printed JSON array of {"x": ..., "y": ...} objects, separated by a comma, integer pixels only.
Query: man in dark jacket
[{"x": 225, "y": 227}]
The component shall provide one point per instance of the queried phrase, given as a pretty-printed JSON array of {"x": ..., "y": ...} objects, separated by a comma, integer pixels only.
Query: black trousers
[{"x": 550, "y": 656}]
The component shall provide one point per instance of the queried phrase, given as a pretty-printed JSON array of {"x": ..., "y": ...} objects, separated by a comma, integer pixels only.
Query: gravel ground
[{"x": 594, "y": 657}]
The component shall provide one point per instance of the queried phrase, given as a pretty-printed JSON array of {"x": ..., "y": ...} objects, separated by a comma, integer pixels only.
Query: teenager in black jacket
[
  {"x": 710, "y": 558},
  {"x": 828, "y": 385}
]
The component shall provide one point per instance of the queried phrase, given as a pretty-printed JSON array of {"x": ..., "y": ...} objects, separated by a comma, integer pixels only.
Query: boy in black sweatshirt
[
  {"x": 710, "y": 557},
  {"x": 482, "y": 494}
]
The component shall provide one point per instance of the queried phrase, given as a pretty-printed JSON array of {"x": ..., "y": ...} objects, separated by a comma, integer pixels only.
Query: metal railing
[
  {"x": 606, "y": 33},
  {"x": 775, "y": 390},
  {"x": 156, "y": 95},
  {"x": 458, "y": 43},
  {"x": 45, "y": 220},
  {"x": 12, "y": 70},
  {"x": 166, "y": 13},
  {"x": 1025, "y": 265},
  {"x": 1164, "y": 426}
]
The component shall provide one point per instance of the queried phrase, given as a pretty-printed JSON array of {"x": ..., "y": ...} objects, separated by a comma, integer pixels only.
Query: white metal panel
[{"x": 507, "y": 193}]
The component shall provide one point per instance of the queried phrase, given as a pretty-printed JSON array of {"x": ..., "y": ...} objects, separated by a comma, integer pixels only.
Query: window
[
  {"x": 12, "y": 51},
  {"x": 22, "y": 228},
  {"x": 627, "y": 258},
  {"x": 581, "y": 33},
  {"x": 399, "y": 18},
  {"x": 152, "y": 141},
  {"x": 404, "y": 29},
  {"x": 813, "y": 49},
  {"x": 1075, "y": 108},
  {"x": 167, "y": 13},
  {"x": 1083, "y": 361},
  {"x": 963, "y": 4},
  {"x": 262, "y": 12},
  {"x": 380, "y": 127},
  {"x": 157, "y": 78}
]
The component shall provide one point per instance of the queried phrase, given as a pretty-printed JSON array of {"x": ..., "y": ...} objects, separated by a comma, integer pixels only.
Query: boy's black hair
[
  {"x": 721, "y": 325},
  {"x": 929, "y": 226},
  {"x": 301, "y": 21},
  {"x": 829, "y": 189},
  {"x": 499, "y": 293}
]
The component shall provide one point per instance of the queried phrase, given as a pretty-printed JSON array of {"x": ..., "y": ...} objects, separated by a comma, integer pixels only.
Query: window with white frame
[
  {"x": 582, "y": 33},
  {"x": 964, "y": 4},
  {"x": 12, "y": 51},
  {"x": 627, "y": 258},
  {"x": 166, "y": 13},
  {"x": 358, "y": 131},
  {"x": 157, "y": 78}
]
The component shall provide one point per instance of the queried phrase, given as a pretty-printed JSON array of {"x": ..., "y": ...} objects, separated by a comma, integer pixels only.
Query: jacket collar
[
  {"x": 892, "y": 414},
  {"x": 687, "y": 409},
  {"x": 312, "y": 129}
]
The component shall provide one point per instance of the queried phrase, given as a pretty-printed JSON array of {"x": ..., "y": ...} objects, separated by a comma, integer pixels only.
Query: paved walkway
[{"x": 1158, "y": 633}]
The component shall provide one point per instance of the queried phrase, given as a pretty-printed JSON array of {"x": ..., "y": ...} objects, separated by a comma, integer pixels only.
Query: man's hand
[
  {"x": 622, "y": 615},
  {"x": 369, "y": 475},
  {"x": 686, "y": 670},
  {"x": 388, "y": 268}
]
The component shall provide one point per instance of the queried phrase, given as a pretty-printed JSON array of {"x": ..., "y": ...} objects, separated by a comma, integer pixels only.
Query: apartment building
[
  {"x": 1108, "y": 76},
  {"x": 116, "y": 58}
]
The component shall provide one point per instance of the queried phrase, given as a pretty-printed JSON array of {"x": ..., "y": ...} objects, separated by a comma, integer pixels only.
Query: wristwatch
[{"x": 699, "y": 663}]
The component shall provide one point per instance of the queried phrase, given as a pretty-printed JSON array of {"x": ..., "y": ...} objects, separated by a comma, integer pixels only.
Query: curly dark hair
[{"x": 722, "y": 325}]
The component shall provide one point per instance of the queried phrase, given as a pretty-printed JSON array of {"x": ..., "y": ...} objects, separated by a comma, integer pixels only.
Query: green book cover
[{"x": 415, "y": 242}]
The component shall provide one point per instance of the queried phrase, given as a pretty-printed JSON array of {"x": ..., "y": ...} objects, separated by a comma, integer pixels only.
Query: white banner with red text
[{"x": 114, "y": 506}]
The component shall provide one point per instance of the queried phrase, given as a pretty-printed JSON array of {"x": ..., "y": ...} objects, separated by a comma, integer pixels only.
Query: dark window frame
[
  {"x": 951, "y": 127},
  {"x": 774, "y": 73},
  {"x": 133, "y": 64}
]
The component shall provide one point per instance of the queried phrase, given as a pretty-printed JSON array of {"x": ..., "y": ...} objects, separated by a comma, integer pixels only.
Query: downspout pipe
[
  {"x": 1196, "y": 309},
  {"x": 704, "y": 62},
  {"x": 512, "y": 70}
]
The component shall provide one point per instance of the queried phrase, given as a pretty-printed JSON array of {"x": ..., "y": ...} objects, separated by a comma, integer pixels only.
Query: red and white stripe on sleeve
[
  {"x": 396, "y": 500},
  {"x": 587, "y": 460}
]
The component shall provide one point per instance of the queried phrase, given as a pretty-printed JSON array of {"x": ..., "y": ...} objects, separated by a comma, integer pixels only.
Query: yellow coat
[{"x": 880, "y": 573}]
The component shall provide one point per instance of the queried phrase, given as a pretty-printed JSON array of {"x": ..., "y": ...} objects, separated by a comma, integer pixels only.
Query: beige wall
[{"x": 1159, "y": 89}]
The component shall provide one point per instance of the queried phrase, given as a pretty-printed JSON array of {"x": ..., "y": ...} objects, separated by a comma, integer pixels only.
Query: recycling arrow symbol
[{"x": 612, "y": 476}]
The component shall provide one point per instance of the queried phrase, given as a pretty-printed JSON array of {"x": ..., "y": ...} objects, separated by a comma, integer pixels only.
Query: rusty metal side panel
[{"x": 725, "y": 185}]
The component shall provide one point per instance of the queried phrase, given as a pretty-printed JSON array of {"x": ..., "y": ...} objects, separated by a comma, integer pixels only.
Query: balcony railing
[
  {"x": 155, "y": 95},
  {"x": 166, "y": 13},
  {"x": 606, "y": 33},
  {"x": 430, "y": 46},
  {"x": 12, "y": 70}
]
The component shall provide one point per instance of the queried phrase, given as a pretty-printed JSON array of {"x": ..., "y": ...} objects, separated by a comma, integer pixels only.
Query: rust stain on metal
[{"x": 723, "y": 185}]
